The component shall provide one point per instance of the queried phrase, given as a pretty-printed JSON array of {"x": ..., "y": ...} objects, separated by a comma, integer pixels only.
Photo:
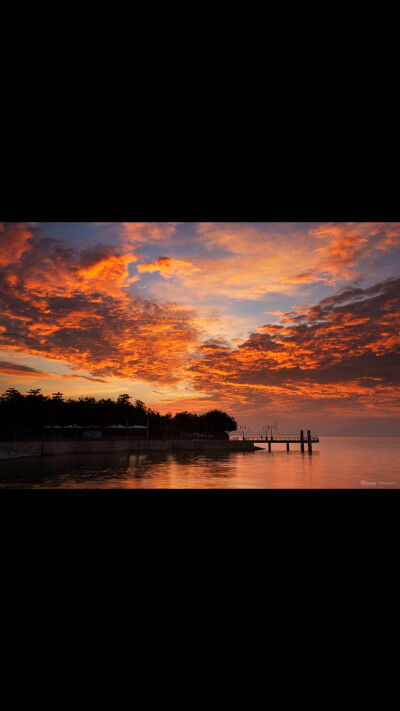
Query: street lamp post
[{"x": 268, "y": 427}]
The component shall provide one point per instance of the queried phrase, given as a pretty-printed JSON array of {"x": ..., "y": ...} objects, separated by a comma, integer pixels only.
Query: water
[{"x": 336, "y": 463}]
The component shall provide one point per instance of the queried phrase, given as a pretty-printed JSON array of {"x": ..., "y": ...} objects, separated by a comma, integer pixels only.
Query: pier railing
[
  {"x": 301, "y": 439},
  {"x": 280, "y": 438}
]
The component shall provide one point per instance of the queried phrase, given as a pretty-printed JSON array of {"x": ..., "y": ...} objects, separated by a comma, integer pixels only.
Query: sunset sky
[{"x": 293, "y": 323}]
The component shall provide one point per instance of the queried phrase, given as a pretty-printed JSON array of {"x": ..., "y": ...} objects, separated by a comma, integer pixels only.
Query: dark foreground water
[{"x": 336, "y": 463}]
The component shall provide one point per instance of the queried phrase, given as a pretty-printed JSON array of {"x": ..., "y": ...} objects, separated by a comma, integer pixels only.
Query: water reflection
[
  {"x": 147, "y": 470},
  {"x": 336, "y": 463}
]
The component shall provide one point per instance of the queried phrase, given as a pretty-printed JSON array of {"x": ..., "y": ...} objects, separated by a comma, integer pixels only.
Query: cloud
[
  {"x": 345, "y": 245},
  {"x": 304, "y": 277},
  {"x": 224, "y": 261},
  {"x": 249, "y": 261},
  {"x": 168, "y": 267},
  {"x": 15, "y": 369},
  {"x": 77, "y": 306},
  {"x": 147, "y": 232},
  {"x": 342, "y": 353},
  {"x": 76, "y": 377},
  {"x": 14, "y": 241},
  {"x": 52, "y": 267}
]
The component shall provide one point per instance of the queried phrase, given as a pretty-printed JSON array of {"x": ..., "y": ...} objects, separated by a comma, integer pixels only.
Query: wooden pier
[{"x": 285, "y": 439}]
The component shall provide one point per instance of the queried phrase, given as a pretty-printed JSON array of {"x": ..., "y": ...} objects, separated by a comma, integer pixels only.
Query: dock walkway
[{"x": 284, "y": 439}]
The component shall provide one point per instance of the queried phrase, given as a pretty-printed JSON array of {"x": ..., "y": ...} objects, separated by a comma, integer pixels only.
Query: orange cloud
[
  {"x": 266, "y": 257},
  {"x": 14, "y": 241},
  {"x": 75, "y": 306},
  {"x": 345, "y": 350},
  {"x": 304, "y": 277},
  {"x": 138, "y": 233},
  {"x": 347, "y": 243},
  {"x": 15, "y": 369},
  {"x": 168, "y": 267}
]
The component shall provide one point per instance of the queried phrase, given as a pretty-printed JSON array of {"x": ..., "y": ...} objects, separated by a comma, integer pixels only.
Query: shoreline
[{"x": 17, "y": 450}]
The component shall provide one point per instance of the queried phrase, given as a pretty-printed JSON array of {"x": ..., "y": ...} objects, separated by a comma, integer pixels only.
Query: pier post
[
  {"x": 309, "y": 441},
  {"x": 302, "y": 440},
  {"x": 287, "y": 446},
  {"x": 269, "y": 446}
]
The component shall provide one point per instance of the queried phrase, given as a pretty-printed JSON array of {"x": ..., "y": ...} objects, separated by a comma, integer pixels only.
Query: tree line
[{"x": 24, "y": 417}]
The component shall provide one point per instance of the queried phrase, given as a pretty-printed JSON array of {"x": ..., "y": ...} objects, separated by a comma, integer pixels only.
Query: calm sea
[{"x": 336, "y": 463}]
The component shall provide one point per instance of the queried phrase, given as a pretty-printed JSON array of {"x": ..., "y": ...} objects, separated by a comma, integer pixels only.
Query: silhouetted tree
[
  {"x": 25, "y": 416},
  {"x": 217, "y": 424},
  {"x": 185, "y": 424}
]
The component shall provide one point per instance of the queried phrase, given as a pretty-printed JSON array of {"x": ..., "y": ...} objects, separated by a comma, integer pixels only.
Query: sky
[{"x": 288, "y": 324}]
